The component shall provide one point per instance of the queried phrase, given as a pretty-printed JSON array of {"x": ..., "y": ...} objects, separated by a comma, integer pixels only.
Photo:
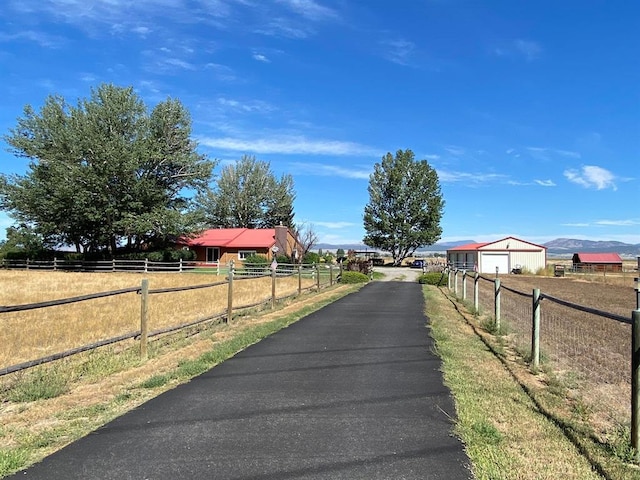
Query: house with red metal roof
[
  {"x": 221, "y": 245},
  {"x": 508, "y": 255},
  {"x": 597, "y": 262}
]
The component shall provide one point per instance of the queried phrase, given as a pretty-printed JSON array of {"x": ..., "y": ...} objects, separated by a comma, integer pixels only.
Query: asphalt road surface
[{"x": 352, "y": 391}]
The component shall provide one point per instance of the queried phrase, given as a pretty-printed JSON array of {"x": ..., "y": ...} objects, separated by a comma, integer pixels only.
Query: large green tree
[
  {"x": 248, "y": 195},
  {"x": 106, "y": 171},
  {"x": 405, "y": 205}
]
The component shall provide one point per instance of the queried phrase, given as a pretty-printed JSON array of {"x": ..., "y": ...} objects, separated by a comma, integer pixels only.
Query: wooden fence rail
[{"x": 321, "y": 277}]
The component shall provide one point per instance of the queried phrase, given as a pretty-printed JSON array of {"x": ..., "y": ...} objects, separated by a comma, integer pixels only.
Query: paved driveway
[{"x": 353, "y": 391}]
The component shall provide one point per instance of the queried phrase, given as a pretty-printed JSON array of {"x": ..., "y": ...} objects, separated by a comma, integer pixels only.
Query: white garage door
[{"x": 492, "y": 260}]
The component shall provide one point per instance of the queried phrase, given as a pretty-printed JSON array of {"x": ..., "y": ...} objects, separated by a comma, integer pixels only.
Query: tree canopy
[
  {"x": 248, "y": 195},
  {"x": 405, "y": 205},
  {"x": 106, "y": 171}
]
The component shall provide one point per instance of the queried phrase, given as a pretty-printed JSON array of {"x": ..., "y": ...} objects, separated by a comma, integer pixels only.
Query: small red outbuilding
[{"x": 597, "y": 262}]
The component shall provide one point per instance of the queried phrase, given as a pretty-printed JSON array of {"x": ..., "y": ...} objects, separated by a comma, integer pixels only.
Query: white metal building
[{"x": 503, "y": 256}]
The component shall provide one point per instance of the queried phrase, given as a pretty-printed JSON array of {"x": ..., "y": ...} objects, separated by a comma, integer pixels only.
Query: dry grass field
[{"x": 31, "y": 334}]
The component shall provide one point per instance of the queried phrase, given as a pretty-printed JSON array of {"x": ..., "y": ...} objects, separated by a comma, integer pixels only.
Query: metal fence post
[
  {"x": 144, "y": 319},
  {"x": 635, "y": 383},
  {"x": 476, "y": 304},
  {"x": 299, "y": 279},
  {"x": 331, "y": 275},
  {"x": 496, "y": 285},
  {"x": 464, "y": 285},
  {"x": 318, "y": 276},
  {"x": 449, "y": 278},
  {"x": 535, "y": 330},
  {"x": 636, "y": 283},
  {"x": 230, "y": 293}
]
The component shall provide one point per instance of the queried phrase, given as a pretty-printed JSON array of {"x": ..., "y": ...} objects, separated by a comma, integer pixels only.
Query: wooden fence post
[
  {"x": 230, "y": 293},
  {"x": 496, "y": 284},
  {"x": 635, "y": 383},
  {"x": 146, "y": 265},
  {"x": 535, "y": 330},
  {"x": 455, "y": 282},
  {"x": 55, "y": 264},
  {"x": 299, "y": 279},
  {"x": 476, "y": 304},
  {"x": 318, "y": 276},
  {"x": 144, "y": 318},
  {"x": 464, "y": 285},
  {"x": 330, "y": 275},
  {"x": 449, "y": 278},
  {"x": 180, "y": 266},
  {"x": 273, "y": 288}
]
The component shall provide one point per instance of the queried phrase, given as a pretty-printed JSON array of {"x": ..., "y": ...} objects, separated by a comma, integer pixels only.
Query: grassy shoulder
[
  {"x": 45, "y": 409},
  {"x": 505, "y": 434}
]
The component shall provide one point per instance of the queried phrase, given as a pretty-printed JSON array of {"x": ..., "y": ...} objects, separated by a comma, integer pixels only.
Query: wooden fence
[
  {"x": 309, "y": 277},
  {"x": 115, "y": 265},
  {"x": 571, "y": 341}
]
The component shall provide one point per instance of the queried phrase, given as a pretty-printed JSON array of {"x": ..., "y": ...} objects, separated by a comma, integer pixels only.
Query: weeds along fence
[
  {"x": 589, "y": 350},
  {"x": 38, "y": 333}
]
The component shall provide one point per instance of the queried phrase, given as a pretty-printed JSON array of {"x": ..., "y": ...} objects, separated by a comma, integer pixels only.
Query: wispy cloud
[
  {"x": 470, "y": 178},
  {"x": 323, "y": 170},
  {"x": 545, "y": 183},
  {"x": 260, "y": 57},
  {"x": 335, "y": 225},
  {"x": 398, "y": 51},
  {"x": 289, "y": 145},
  {"x": 310, "y": 9},
  {"x": 253, "y": 106},
  {"x": 591, "y": 176},
  {"x": 42, "y": 39},
  {"x": 618, "y": 223},
  {"x": 548, "y": 154},
  {"x": 528, "y": 49}
]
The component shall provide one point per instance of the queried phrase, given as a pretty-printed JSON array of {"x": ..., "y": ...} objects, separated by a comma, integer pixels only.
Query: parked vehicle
[{"x": 417, "y": 264}]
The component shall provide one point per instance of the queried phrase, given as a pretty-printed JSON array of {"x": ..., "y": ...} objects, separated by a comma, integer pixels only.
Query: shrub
[
  {"x": 353, "y": 277},
  {"x": 433, "y": 278},
  {"x": 310, "y": 258}
]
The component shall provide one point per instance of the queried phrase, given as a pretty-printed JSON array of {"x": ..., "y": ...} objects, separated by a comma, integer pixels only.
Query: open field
[{"x": 30, "y": 334}]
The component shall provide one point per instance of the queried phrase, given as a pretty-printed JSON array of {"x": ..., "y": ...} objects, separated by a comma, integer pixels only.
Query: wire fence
[
  {"x": 37, "y": 333},
  {"x": 589, "y": 350}
]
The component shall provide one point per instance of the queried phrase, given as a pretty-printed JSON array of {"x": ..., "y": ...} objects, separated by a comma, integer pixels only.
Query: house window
[
  {"x": 213, "y": 254},
  {"x": 243, "y": 254}
]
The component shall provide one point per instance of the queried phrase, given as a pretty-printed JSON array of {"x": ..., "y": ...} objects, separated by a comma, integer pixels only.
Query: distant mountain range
[{"x": 559, "y": 246}]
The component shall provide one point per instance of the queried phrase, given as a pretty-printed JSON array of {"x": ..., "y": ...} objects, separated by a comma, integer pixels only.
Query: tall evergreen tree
[{"x": 405, "y": 205}]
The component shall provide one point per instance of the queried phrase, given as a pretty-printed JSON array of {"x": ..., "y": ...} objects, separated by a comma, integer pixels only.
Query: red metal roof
[
  {"x": 235, "y": 238},
  {"x": 597, "y": 258},
  {"x": 469, "y": 246}
]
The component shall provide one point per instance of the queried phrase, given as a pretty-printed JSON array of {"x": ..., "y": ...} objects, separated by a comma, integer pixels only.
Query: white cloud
[
  {"x": 288, "y": 145},
  {"x": 335, "y": 225},
  {"x": 529, "y": 49},
  {"x": 253, "y": 106},
  {"x": 42, "y": 39},
  {"x": 592, "y": 176},
  {"x": 323, "y": 170},
  {"x": 454, "y": 150},
  {"x": 310, "y": 9},
  {"x": 398, "y": 51},
  {"x": 618, "y": 223},
  {"x": 469, "y": 178},
  {"x": 548, "y": 154},
  {"x": 261, "y": 58},
  {"x": 545, "y": 183}
]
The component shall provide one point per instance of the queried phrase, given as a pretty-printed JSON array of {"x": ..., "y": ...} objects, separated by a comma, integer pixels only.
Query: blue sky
[{"x": 528, "y": 110}]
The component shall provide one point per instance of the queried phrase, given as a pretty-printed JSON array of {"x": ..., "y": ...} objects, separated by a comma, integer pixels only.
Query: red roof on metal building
[{"x": 470, "y": 246}]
